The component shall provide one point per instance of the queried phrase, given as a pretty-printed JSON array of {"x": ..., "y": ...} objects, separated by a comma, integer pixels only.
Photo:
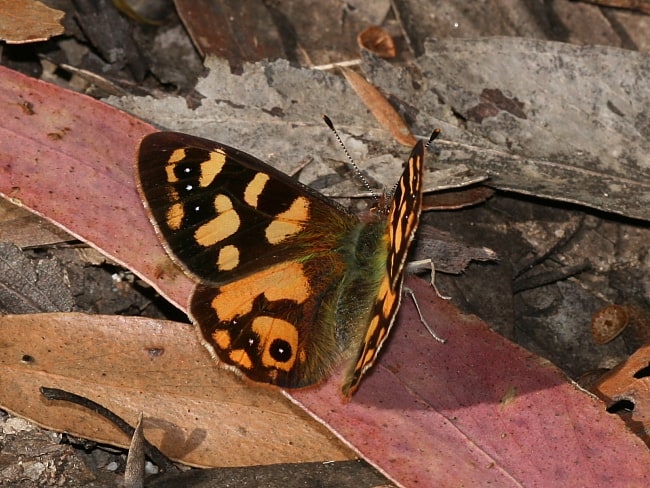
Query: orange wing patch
[
  {"x": 284, "y": 281},
  {"x": 289, "y": 222},
  {"x": 249, "y": 332}
]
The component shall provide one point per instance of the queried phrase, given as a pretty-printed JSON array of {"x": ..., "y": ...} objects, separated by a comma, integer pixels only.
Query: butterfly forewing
[
  {"x": 402, "y": 221},
  {"x": 222, "y": 213}
]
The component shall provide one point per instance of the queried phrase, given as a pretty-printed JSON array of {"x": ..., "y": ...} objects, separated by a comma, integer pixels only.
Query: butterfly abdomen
[{"x": 365, "y": 258}]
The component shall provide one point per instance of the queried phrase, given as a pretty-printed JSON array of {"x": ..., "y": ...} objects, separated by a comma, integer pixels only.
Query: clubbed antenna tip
[
  {"x": 434, "y": 135},
  {"x": 329, "y": 123}
]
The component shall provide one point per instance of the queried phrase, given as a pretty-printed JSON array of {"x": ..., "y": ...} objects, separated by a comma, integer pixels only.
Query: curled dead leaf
[
  {"x": 626, "y": 391},
  {"x": 457, "y": 198},
  {"x": 378, "y": 41}
]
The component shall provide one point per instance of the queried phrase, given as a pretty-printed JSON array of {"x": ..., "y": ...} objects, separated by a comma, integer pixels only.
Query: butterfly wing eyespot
[{"x": 285, "y": 276}]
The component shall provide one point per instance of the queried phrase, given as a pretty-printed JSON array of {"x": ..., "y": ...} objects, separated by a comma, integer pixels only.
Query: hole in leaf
[
  {"x": 643, "y": 372},
  {"x": 621, "y": 406}
]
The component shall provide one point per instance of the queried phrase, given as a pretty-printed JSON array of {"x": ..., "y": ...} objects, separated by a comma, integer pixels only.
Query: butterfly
[{"x": 289, "y": 283}]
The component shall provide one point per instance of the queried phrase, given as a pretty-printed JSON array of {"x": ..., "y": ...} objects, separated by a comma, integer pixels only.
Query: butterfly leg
[
  {"x": 426, "y": 264},
  {"x": 411, "y": 293}
]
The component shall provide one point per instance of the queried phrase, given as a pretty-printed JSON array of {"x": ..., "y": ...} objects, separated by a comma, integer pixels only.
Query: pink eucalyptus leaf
[{"x": 70, "y": 159}]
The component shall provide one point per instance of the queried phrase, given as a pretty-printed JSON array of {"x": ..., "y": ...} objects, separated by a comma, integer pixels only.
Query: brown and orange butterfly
[{"x": 290, "y": 283}]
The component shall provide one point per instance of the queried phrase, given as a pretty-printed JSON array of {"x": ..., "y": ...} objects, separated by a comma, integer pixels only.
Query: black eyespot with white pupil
[{"x": 280, "y": 350}]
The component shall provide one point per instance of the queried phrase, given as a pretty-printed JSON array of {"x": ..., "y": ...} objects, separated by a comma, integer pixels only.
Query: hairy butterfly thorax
[{"x": 289, "y": 283}]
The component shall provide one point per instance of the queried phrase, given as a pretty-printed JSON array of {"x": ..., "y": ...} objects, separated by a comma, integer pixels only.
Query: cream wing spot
[
  {"x": 254, "y": 189},
  {"x": 222, "y": 339},
  {"x": 369, "y": 358},
  {"x": 222, "y": 203},
  {"x": 169, "y": 170},
  {"x": 241, "y": 358},
  {"x": 174, "y": 216},
  {"x": 237, "y": 356},
  {"x": 228, "y": 258},
  {"x": 389, "y": 304},
  {"x": 176, "y": 156},
  {"x": 386, "y": 297},
  {"x": 289, "y": 222},
  {"x": 225, "y": 224},
  {"x": 211, "y": 168}
]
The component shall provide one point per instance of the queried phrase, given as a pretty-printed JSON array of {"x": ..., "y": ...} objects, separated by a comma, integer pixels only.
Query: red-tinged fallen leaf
[
  {"x": 70, "y": 159},
  {"x": 474, "y": 411},
  {"x": 477, "y": 411}
]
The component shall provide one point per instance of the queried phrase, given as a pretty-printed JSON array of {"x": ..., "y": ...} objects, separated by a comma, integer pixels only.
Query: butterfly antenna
[{"x": 363, "y": 179}]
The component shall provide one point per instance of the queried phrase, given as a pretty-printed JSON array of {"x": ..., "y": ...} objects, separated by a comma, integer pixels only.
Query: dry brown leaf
[
  {"x": 194, "y": 411},
  {"x": 249, "y": 33},
  {"x": 383, "y": 111},
  {"x": 28, "y": 21},
  {"x": 24, "y": 229},
  {"x": 378, "y": 41},
  {"x": 449, "y": 254},
  {"x": 32, "y": 285},
  {"x": 626, "y": 390}
]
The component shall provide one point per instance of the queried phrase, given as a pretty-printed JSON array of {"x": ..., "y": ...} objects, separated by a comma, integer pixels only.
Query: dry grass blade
[{"x": 383, "y": 111}]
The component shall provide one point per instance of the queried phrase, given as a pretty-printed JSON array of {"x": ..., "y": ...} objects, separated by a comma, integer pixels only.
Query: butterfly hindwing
[
  {"x": 269, "y": 325},
  {"x": 289, "y": 282}
]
